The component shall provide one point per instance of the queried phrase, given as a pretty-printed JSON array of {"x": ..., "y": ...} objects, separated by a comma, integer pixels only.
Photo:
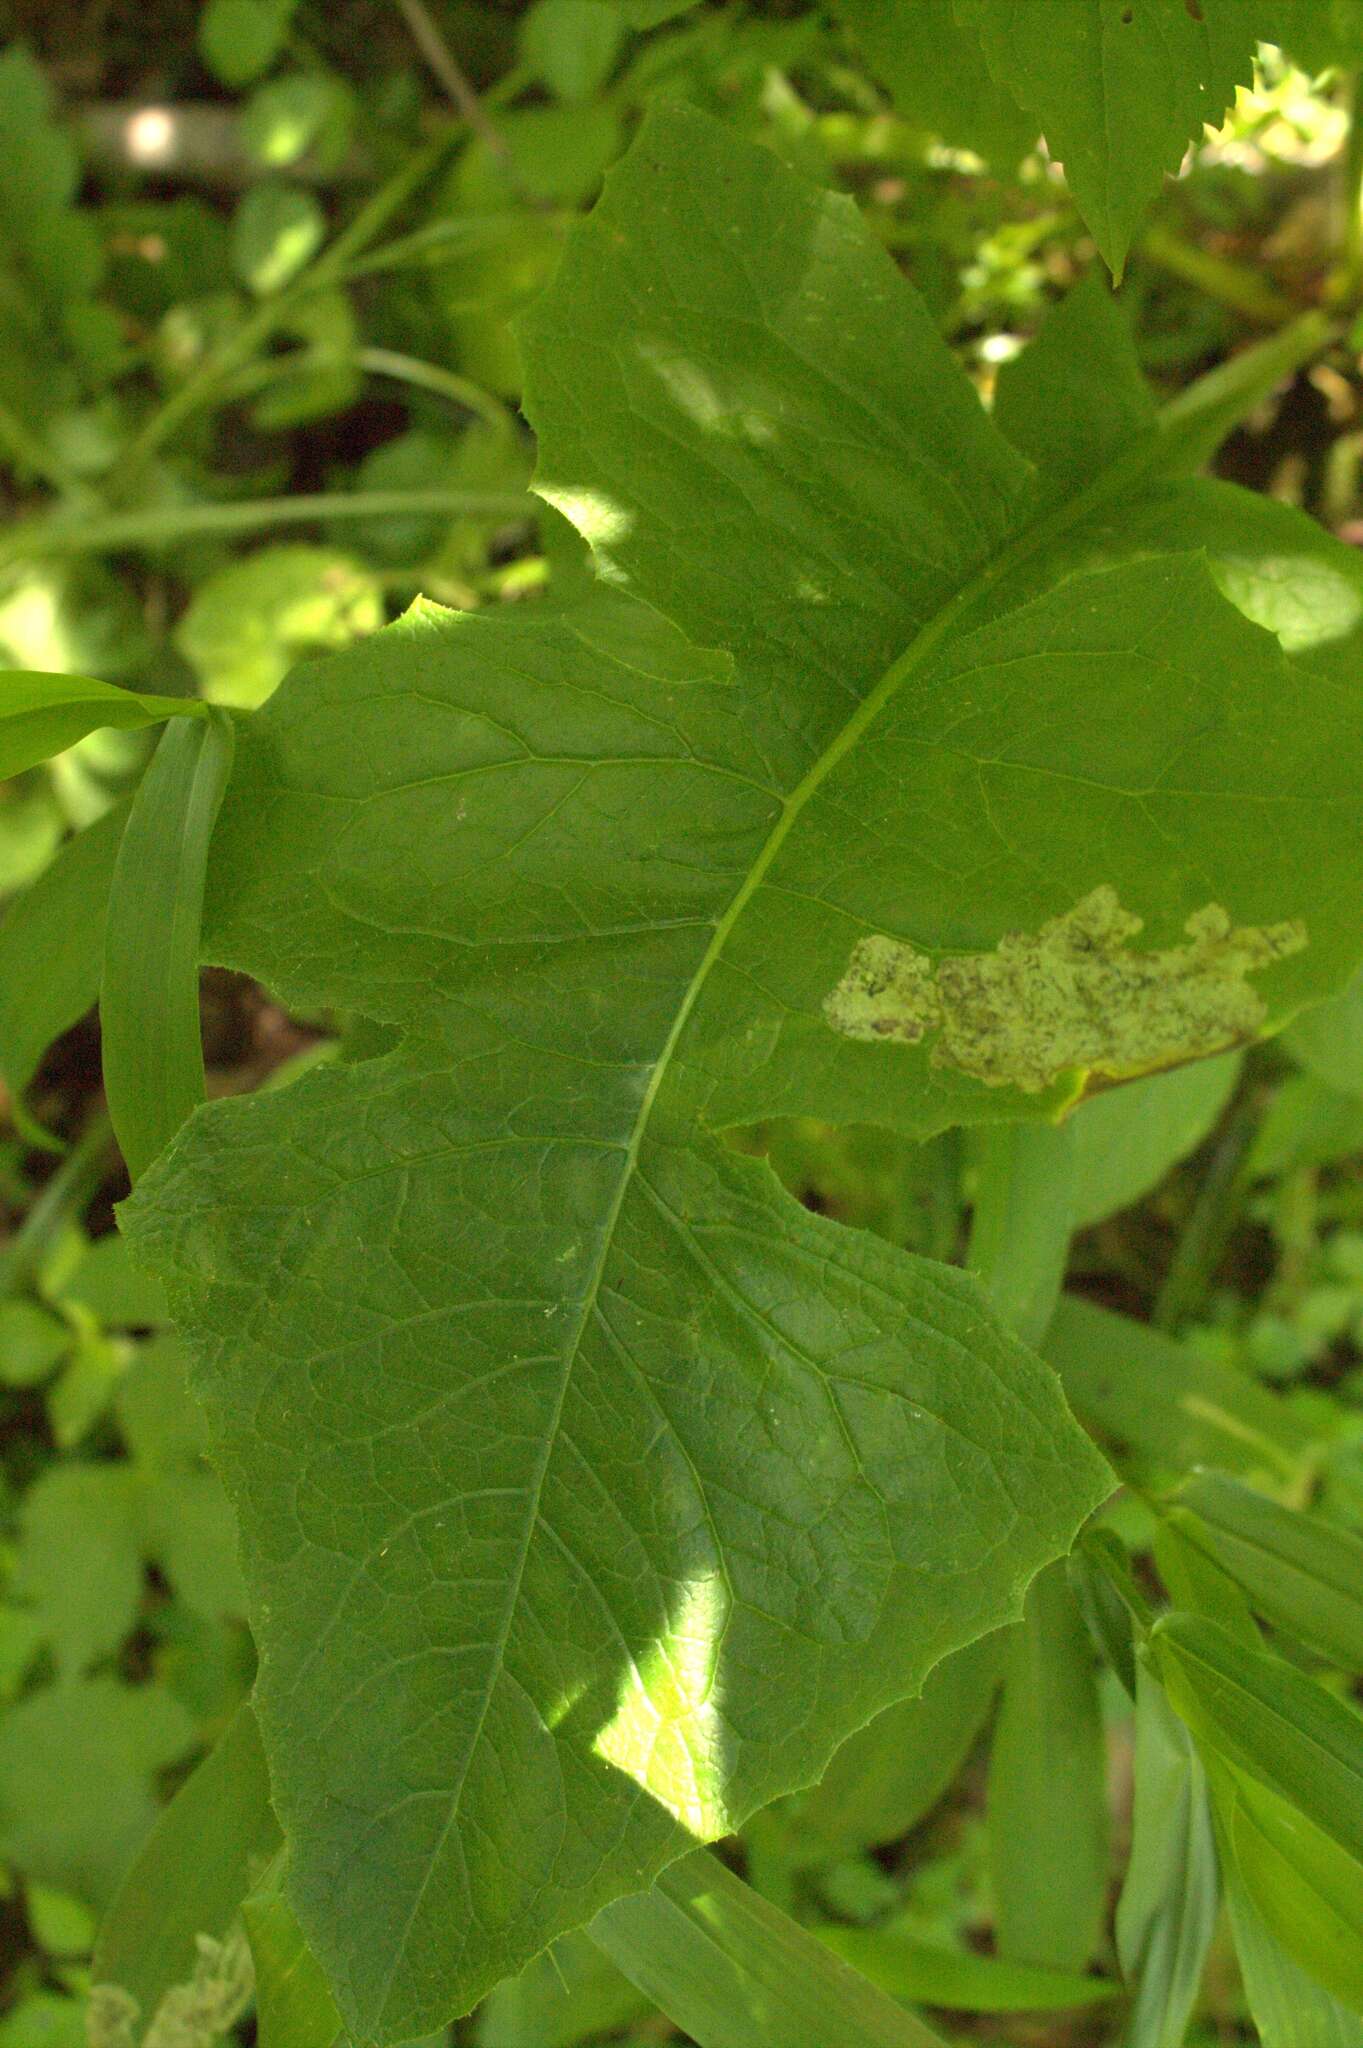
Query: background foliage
[{"x": 260, "y": 266}]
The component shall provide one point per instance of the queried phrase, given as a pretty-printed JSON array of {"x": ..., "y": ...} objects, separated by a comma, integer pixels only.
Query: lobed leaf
[{"x": 610, "y": 1488}]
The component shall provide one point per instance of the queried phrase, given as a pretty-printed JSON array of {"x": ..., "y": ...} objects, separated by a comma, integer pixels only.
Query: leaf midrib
[{"x": 1031, "y": 539}]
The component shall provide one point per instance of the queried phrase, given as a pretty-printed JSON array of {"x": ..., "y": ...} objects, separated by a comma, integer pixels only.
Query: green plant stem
[
  {"x": 28, "y": 449},
  {"x": 1022, "y": 1221},
  {"x": 440, "y": 241},
  {"x": 1208, "y": 1229},
  {"x": 64, "y": 1196},
  {"x": 461, "y": 391},
  {"x": 450, "y": 75},
  {"x": 1351, "y": 241},
  {"x": 1232, "y": 285},
  {"x": 379, "y": 362},
  {"x": 325, "y": 270},
  {"x": 164, "y": 526}
]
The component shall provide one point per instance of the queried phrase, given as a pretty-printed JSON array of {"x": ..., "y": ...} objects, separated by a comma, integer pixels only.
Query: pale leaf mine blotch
[{"x": 1071, "y": 997}]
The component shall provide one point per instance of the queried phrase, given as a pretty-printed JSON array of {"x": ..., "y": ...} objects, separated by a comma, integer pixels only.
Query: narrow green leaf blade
[
  {"x": 924, "y": 1973},
  {"x": 1269, "y": 1720},
  {"x": 1302, "y": 1574},
  {"x": 1307, "y": 1889},
  {"x": 41, "y": 714},
  {"x": 52, "y": 947},
  {"x": 149, "y": 993},
  {"x": 1047, "y": 1788},
  {"x": 1167, "y": 1912},
  {"x": 734, "y": 1972},
  {"x": 1289, "y": 2008},
  {"x": 294, "y": 2008},
  {"x": 1158, "y": 1399},
  {"x": 194, "y": 1871}
]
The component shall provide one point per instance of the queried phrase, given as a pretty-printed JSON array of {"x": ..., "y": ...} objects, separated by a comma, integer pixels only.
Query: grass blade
[
  {"x": 149, "y": 999},
  {"x": 734, "y": 1972},
  {"x": 1272, "y": 1722},
  {"x": 193, "y": 1871},
  {"x": 1047, "y": 1801},
  {"x": 52, "y": 948},
  {"x": 1302, "y": 1574}
]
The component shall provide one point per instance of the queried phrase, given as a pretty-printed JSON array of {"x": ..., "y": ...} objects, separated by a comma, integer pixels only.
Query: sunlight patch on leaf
[
  {"x": 1069, "y": 998},
  {"x": 600, "y": 521},
  {"x": 667, "y": 1732}
]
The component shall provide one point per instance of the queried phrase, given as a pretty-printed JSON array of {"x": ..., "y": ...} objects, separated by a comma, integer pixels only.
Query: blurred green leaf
[
  {"x": 241, "y": 38},
  {"x": 193, "y": 1871},
  {"x": 886, "y": 1777},
  {"x": 1327, "y": 1040},
  {"x": 1128, "y": 1138},
  {"x": 283, "y": 120},
  {"x": 32, "y": 1343},
  {"x": 898, "y": 1959},
  {"x": 1159, "y": 1399},
  {"x": 1047, "y": 1805},
  {"x": 160, "y": 1419},
  {"x": 1307, "y": 1889},
  {"x": 76, "y": 1830},
  {"x": 277, "y": 229},
  {"x": 1289, "y": 2008},
  {"x": 569, "y": 1993},
  {"x": 1307, "y": 1123},
  {"x": 294, "y": 2008},
  {"x": 107, "y": 1285},
  {"x": 80, "y": 1559},
  {"x": 52, "y": 948},
  {"x": 247, "y": 624},
  {"x": 570, "y": 46},
  {"x": 39, "y": 175}
]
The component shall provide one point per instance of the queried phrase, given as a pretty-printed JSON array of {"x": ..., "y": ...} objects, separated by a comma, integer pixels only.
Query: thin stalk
[
  {"x": 461, "y": 391},
  {"x": 449, "y": 74},
  {"x": 1022, "y": 1221},
  {"x": 377, "y": 362},
  {"x": 64, "y": 1197},
  {"x": 1215, "y": 1213},
  {"x": 440, "y": 241},
  {"x": 1351, "y": 241},
  {"x": 164, "y": 526},
  {"x": 1233, "y": 285}
]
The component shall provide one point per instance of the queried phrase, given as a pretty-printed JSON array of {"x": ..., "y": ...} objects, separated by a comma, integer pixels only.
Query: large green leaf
[
  {"x": 936, "y": 73},
  {"x": 612, "y": 1487},
  {"x": 1120, "y": 90}
]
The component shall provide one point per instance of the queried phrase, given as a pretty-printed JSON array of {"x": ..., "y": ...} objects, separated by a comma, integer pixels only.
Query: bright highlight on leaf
[{"x": 1073, "y": 998}]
